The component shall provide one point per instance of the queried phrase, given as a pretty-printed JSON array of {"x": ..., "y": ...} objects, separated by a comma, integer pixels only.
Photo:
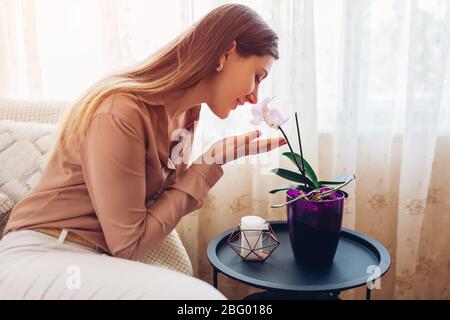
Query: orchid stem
[{"x": 299, "y": 141}]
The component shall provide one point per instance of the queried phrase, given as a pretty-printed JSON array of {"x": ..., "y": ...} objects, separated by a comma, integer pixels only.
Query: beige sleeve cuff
[{"x": 198, "y": 179}]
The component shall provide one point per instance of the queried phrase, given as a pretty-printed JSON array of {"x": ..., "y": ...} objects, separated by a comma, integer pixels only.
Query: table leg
[
  {"x": 368, "y": 293},
  {"x": 215, "y": 272},
  {"x": 334, "y": 295}
]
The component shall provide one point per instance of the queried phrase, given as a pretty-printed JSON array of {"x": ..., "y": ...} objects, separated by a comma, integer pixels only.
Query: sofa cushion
[
  {"x": 24, "y": 149},
  {"x": 44, "y": 111},
  {"x": 24, "y": 153},
  {"x": 6, "y": 206},
  {"x": 170, "y": 253}
]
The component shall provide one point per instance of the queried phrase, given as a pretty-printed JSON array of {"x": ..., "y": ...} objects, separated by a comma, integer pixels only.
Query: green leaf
[
  {"x": 285, "y": 187},
  {"x": 339, "y": 180},
  {"x": 309, "y": 171},
  {"x": 290, "y": 175}
]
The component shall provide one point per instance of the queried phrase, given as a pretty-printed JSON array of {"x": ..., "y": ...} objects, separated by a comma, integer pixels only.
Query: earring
[{"x": 219, "y": 68}]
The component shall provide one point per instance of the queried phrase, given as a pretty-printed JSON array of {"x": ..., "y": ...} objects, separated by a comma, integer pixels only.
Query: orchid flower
[
  {"x": 306, "y": 178},
  {"x": 272, "y": 117}
]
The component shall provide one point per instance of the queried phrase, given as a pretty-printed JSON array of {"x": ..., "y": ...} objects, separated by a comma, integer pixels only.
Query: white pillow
[
  {"x": 24, "y": 150},
  {"x": 6, "y": 206}
]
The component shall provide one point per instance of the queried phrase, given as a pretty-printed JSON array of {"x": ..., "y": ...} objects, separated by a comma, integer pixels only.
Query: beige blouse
[{"x": 119, "y": 190}]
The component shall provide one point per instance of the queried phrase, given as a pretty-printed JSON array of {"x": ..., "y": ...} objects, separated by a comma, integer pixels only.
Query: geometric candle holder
[{"x": 253, "y": 245}]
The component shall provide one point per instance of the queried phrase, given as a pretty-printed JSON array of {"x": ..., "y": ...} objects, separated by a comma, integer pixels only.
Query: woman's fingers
[
  {"x": 234, "y": 147},
  {"x": 241, "y": 144},
  {"x": 265, "y": 145},
  {"x": 252, "y": 146},
  {"x": 249, "y": 136}
]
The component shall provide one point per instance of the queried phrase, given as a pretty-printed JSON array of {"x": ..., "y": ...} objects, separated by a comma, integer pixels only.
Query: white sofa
[{"x": 27, "y": 129}]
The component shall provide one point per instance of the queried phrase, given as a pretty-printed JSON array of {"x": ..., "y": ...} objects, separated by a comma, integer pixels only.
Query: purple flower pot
[{"x": 314, "y": 228}]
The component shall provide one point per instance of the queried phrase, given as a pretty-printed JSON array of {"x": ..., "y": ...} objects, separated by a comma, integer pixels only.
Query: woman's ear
[
  {"x": 230, "y": 49},
  {"x": 224, "y": 57}
]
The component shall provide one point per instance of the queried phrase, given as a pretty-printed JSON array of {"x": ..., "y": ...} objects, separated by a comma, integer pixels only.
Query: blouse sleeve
[{"x": 113, "y": 164}]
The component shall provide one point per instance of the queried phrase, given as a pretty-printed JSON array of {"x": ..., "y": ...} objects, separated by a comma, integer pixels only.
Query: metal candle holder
[{"x": 268, "y": 240}]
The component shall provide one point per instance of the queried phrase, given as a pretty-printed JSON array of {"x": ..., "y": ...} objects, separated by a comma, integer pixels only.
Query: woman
[{"x": 113, "y": 187}]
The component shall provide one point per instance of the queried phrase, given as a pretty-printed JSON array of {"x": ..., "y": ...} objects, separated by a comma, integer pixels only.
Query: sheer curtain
[{"x": 370, "y": 80}]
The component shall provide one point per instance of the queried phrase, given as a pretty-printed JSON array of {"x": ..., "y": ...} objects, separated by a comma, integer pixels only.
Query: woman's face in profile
[{"x": 238, "y": 81}]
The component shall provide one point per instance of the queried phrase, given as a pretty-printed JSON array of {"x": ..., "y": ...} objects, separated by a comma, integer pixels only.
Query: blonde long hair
[{"x": 179, "y": 65}]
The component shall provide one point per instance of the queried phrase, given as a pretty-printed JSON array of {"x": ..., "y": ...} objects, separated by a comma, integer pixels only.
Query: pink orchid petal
[
  {"x": 264, "y": 109},
  {"x": 275, "y": 116},
  {"x": 255, "y": 121},
  {"x": 262, "y": 112},
  {"x": 264, "y": 105},
  {"x": 283, "y": 121},
  {"x": 266, "y": 101},
  {"x": 256, "y": 111}
]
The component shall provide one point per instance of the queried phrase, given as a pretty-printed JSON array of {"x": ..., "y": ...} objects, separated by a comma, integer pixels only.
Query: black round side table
[{"x": 359, "y": 260}]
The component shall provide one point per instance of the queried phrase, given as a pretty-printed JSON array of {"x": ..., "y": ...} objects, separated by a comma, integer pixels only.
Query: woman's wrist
[{"x": 211, "y": 157}]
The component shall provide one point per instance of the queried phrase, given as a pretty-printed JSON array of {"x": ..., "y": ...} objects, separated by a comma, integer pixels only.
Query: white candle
[{"x": 254, "y": 238}]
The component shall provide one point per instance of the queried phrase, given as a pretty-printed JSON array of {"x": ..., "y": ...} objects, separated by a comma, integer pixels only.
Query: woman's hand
[{"x": 234, "y": 147}]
